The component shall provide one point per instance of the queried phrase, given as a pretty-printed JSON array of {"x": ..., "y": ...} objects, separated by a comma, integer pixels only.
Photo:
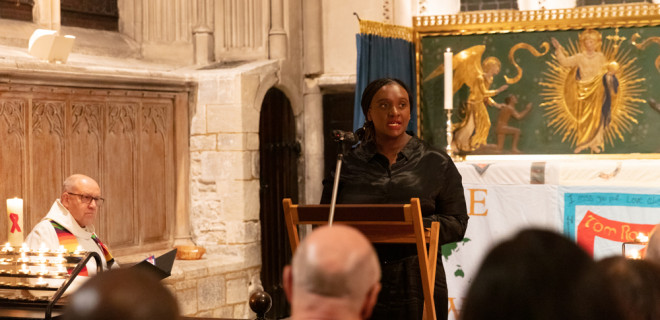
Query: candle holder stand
[
  {"x": 632, "y": 243},
  {"x": 450, "y": 134},
  {"x": 20, "y": 284}
]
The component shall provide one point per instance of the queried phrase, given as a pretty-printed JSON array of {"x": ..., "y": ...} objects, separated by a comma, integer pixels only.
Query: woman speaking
[{"x": 390, "y": 166}]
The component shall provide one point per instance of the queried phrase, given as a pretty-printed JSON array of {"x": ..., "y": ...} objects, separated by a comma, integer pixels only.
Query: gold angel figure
[
  {"x": 472, "y": 131},
  {"x": 591, "y": 92},
  {"x": 591, "y": 89}
]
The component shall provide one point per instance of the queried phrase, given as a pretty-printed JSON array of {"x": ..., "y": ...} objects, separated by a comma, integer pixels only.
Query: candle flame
[
  {"x": 641, "y": 237},
  {"x": 634, "y": 254}
]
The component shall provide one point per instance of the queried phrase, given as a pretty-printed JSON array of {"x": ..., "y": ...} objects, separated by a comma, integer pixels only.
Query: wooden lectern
[{"x": 380, "y": 223}]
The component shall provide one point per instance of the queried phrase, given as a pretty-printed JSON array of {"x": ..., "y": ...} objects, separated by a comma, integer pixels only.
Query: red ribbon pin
[{"x": 14, "y": 223}]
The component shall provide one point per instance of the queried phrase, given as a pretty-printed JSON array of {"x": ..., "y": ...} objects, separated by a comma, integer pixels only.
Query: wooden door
[{"x": 279, "y": 153}]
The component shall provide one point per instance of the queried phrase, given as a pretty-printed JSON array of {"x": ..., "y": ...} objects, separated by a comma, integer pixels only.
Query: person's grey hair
[
  {"x": 352, "y": 277},
  {"x": 69, "y": 183}
]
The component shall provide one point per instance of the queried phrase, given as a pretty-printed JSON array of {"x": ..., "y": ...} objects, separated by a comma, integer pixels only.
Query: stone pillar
[
  {"x": 203, "y": 44},
  {"x": 313, "y": 143},
  {"x": 277, "y": 36},
  {"x": 182, "y": 235},
  {"x": 203, "y": 37},
  {"x": 402, "y": 13},
  {"x": 55, "y": 15},
  {"x": 313, "y": 37},
  {"x": 47, "y": 14}
]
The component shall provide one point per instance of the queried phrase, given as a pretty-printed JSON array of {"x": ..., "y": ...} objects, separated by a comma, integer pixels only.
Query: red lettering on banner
[
  {"x": 452, "y": 308},
  {"x": 593, "y": 225},
  {"x": 474, "y": 201}
]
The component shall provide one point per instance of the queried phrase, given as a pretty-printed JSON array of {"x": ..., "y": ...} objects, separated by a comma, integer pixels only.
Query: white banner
[{"x": 598, "y": 218}]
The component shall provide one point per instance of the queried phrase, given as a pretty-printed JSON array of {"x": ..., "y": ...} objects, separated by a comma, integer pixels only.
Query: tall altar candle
[
  {"x": 15, "y": 223},
  {"x": 449, "y": 92}
]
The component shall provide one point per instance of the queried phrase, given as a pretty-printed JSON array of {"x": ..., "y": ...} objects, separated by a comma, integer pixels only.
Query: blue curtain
[{"x": 379, "y": 57}]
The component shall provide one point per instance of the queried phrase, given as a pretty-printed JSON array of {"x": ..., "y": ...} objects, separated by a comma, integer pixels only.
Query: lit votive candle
[
  {"x": 23, "y": 258},
  {"x": 41, "y": 282},
  {"x": 79, "y": 250},
  {"x": 61, "y": 270},
  {"x": 24, "y": 248},
  {"x": 43, "y": 248},
  {"x": 24, "y": 269},
  {"x": 42, "y": 270},
  {"x": 7, "y": 248},
  {"x": 61, "y": 249}
]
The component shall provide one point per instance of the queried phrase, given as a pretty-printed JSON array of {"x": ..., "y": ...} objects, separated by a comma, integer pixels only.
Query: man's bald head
[{"x": 335, "y": 263}]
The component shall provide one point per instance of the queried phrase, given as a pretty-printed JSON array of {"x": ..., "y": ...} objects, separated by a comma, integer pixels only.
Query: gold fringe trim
[
  {"x": 505, "y": 21},
  {"x": 386, "y": 30}
]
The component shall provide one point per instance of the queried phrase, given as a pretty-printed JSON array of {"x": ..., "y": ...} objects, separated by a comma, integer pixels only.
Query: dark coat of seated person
[
  {"x": 539, "y": 275},
  {"x": 126, "y": 294}
]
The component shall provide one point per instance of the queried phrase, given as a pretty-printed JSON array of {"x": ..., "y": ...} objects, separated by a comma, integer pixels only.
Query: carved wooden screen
[
  {"x": 16, "y": 9},
  {"x": 123, "y": 139},
  {"x": 97, "y": 14}
]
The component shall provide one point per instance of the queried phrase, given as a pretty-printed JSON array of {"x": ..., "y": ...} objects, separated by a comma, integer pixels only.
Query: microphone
[{"x": 345, "y": 136}]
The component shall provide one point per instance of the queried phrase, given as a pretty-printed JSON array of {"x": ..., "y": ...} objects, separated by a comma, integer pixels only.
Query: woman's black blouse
[{"x": 420, "y": 171}]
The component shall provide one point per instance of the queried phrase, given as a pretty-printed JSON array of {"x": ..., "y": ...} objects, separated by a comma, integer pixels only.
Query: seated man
[
  {"x": 334, "y": 274},
  {"x": 69, "y": 223}
]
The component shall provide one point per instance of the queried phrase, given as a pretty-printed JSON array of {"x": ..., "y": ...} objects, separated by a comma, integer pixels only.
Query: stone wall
[
  {"x": 211, "y": 287},
  {"x": 224, "y": 192}
]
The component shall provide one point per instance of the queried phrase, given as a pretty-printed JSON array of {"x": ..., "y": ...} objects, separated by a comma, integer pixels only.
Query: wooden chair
[{"x": 380, "y": 223}]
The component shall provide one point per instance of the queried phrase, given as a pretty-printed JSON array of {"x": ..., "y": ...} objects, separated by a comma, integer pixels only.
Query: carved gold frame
[{"x": 514, "y": 21}]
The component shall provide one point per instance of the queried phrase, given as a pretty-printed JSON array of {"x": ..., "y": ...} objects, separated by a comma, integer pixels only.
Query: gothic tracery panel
[
  {"x": 122, "y": 138},
  {"x": 46, "y": 150},
  {"x": 12, "y": 132}
]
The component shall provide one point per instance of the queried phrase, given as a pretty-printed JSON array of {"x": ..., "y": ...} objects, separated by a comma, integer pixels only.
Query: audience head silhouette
[
  {"x": 334, "y": 273},
  {"x": 636, "y": 286},
  {"x": 126, "y": 294},
  {"x": 653, "y": 246},
  {"x": 539, "y": 274}
]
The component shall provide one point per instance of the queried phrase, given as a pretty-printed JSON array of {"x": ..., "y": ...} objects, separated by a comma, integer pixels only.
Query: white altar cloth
[{"x": 505, "y": 195}]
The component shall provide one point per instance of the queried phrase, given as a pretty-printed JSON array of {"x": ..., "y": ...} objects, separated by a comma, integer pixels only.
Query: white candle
[
  {"x": 449, "y": 92},
  {"x": 15, "y": 224}
]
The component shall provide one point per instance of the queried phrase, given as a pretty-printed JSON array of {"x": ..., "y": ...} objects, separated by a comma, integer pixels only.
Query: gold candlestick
[{"x": 450, "y": 134}]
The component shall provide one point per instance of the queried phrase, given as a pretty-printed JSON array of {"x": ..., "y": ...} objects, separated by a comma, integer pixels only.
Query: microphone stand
[{"x": 343, "y": 144}]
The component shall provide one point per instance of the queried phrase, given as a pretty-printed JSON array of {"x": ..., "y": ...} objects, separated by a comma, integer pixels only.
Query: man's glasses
[{"x": 88, "y": 199}]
